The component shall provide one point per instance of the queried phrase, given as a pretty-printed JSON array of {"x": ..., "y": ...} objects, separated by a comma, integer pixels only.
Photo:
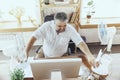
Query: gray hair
[{"x": 60, "y": 16}]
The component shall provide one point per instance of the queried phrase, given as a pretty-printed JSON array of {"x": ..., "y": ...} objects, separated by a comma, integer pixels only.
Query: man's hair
[{"x": 60, "y": 16}]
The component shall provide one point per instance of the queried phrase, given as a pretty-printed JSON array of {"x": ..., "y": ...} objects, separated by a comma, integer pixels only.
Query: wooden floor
[{"x": 93, "y": 48}]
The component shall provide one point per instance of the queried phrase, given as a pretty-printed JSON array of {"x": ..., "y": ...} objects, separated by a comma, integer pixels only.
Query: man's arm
[
  {"x": 29, "y": 45},
  {"x": 85, "y": 49}
]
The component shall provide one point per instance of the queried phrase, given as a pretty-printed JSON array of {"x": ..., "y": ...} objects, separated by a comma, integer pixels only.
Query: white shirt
[{"x": 55, "y": 45}]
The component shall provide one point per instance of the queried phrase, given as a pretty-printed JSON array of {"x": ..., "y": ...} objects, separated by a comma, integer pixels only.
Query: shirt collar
[{"x": 53, "y": 26}]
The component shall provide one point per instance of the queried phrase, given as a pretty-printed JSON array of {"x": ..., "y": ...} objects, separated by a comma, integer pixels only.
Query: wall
[{"x": 91, "y": 35}]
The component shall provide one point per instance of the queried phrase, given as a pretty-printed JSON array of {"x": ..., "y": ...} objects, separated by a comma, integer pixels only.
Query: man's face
[{"x": 60, "y": 25}]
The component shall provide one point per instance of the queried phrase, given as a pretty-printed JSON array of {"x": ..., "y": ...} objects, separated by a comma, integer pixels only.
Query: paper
[
  {"x": 101, "y": 70},
  {"x": 104, "y": 60}
]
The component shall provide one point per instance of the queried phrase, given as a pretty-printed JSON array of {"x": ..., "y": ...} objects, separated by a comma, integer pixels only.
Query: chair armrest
[{"x": 37, "y": 50}]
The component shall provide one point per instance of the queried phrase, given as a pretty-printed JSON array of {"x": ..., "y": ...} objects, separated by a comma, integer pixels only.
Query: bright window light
[
  {"x": 102, "y": 8},
  {"x": 30, "y": 9}
]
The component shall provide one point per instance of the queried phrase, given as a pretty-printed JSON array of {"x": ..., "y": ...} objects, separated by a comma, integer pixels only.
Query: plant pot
[
  {"x": 46, "y": 2},
  {"x": 88, "y": 16}
]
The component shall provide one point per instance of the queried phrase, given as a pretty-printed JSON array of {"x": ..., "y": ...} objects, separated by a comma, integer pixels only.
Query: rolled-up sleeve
[
  {"x": 75, "y": 36},
  {"x": 40, "y": 32}
]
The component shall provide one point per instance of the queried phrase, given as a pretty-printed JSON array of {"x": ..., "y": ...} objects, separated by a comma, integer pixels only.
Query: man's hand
[
  {"x": 92, "y": 61},
  {"x": 83, "y": 46}
]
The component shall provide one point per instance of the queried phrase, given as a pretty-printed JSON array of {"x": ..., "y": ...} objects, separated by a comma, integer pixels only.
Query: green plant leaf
[
  {"x": 90, "y": 3},
  {"x": 17, "y": 74}
]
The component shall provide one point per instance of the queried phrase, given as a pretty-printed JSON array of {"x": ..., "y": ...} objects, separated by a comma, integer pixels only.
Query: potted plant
[{"x": 17, "y": 74}]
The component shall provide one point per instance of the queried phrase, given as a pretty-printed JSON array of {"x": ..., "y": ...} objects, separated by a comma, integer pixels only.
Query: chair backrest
[{"x": 49, "y": 18}]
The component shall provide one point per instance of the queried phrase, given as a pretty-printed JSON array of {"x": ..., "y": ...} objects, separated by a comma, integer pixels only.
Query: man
[{"x": 56, "y": 35}]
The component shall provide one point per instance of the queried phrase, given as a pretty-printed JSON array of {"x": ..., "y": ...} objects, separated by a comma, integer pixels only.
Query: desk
[
  {"x": 48, "y": 79},
  {"x": 114, "y": 73},
  {"x": 13, "y": 27},
  {"x": 95, "y": 21},
  {"x": 115, "y": 67}
]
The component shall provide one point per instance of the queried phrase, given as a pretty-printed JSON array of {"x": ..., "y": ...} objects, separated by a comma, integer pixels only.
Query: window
[
  {"x": 29, "y": 9},
  {"x": 102, "y": 8}
]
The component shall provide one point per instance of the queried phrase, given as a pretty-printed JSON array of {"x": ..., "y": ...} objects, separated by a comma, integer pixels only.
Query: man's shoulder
[
  {"x": 47, "y": 24},
  {"x": 70, "y": 27}
]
